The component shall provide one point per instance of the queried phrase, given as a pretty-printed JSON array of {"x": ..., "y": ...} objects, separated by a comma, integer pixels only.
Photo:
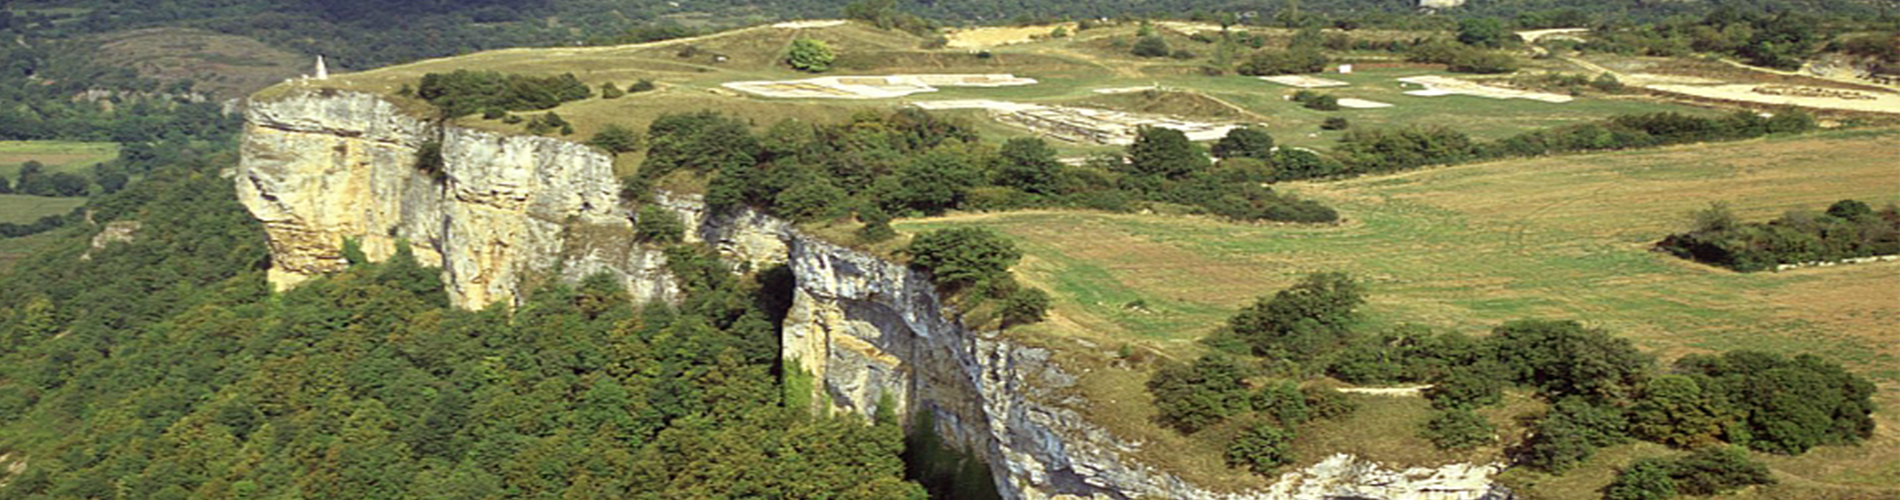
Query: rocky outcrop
[{"x": 505, "y": 213}]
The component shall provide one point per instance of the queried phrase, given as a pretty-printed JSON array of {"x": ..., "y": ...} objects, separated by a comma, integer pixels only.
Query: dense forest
[{"x": 165, "y": 368}]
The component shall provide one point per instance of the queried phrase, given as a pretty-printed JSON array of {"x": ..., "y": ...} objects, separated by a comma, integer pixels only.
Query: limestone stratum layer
[{"x": 505, "y": 213}]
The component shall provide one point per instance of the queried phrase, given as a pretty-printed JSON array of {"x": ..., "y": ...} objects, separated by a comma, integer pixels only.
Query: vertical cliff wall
[{"x": 508, "y": 212}]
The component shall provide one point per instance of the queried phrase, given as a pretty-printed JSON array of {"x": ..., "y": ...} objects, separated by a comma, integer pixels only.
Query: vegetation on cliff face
[{"x": 164, "y": 366}]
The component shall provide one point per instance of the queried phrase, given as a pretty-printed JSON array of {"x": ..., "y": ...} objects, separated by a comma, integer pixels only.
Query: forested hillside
[{"x": 163, "y": 367}]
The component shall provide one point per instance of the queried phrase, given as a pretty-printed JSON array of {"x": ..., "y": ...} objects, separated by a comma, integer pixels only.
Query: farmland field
[
  {"x": 58, "y": 156},
  {"x": 21, "y": 209},
  {"x": 1466, "y": 248}
]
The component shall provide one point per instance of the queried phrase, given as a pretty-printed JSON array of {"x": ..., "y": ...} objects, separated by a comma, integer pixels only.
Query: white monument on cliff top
[{"x": 322, "y": 72}]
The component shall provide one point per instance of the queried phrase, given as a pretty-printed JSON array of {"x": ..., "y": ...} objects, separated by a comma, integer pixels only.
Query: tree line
[
  {"x": 1380, "y": 150},
  {"x": 909, "y": 163},
  {"x": 1601, "y": 390},
  {"x": 1847, "y": 229}
]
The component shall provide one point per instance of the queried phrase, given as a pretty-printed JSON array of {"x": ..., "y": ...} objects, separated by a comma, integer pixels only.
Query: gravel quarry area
[
  {"x": 1444, "y": 85},
  {"x": 1874, "y": 102},
  {"x": 1082, "y": 125},
  {"x": 870, "y": 87},
  {"x": 1349, "y": 102},
  {"x": 1305, "y": 82}
]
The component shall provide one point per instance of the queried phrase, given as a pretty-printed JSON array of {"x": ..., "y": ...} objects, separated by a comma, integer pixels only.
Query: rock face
[{"x": 508, "y": 212}]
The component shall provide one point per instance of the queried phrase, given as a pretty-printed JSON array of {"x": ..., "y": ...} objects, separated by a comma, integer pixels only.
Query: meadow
[
  {"x": 1466, "y": 248},
  {"x": 58, "y": 156}
]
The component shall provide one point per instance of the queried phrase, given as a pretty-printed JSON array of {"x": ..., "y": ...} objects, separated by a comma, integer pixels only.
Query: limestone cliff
[{"x": 507, "y": 212}]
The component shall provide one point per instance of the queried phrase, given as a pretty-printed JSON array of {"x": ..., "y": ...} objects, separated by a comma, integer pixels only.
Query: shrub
[
  {"x": 810, "y": 55},
  {"x": 1150, "y": 46},
  {"x": 616, "y": 138},
  {"x": 1301, "y": 322},
  {"x": 1283, "y": 401},
  {"x": 1467, "y": 388},
  {"x": 1245, "y": 142},
  {"x": 877, "y": 224},
  {"x": 609, "y": 91},
  {"x": 1164, "y": 152},
  {"x": 1262, "y": 448},
  {"x": 1025, "y": 305},
  {"x": 1323, "y": 102},
  {"x": 1458, "y": 429},
  {"x": 1713, "y": 470},
  {"x": 658, "y": 225},
  {"x": 463, "y": 92},
  {"x": 1194, "y": 396},
  {"x": 429, "y": 159},
  {"x": 1275, "y": 62},
  {"x": 1563, "y": 358},
  {"x": 641, "y": 85},
  {"x": 1335, "y": 123},
  {"x": 1644, "y": 479},
  {"x": 1327, "y": 404},
  {"x": 959, "y": 257}
]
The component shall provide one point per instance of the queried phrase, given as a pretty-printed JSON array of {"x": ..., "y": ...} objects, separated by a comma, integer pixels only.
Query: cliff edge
[{"x": 505, "y": 213}]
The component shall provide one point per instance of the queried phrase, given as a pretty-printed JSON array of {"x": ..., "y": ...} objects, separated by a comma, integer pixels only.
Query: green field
[
  {"x": 58, "y": 156},
  {"x": 21, "y": 209},
  {"x": 1466, "y": 248}
]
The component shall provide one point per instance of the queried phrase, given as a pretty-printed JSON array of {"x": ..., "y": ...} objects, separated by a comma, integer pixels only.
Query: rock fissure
[{"x": 511, "y": 211}]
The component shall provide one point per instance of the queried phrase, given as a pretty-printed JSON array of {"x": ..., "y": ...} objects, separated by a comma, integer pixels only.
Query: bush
[
  {"x": 1644, "y": 479},
  {"x": 642, "y": 85},
  {"x": 1150, "y": 46},
  {"x": 1275, "y": 62},
  {"x": 1335, "y": 123},
  {"x": 810, "y": 55},
  {"x": 1025, "y": 305},
  {"x": 960, "y": 257},
  {"x": 1327, "y": 404},
  {"x": 1262, "y": 448},
  {"x": 1790, "y": 404},
  {"x": 429, "y": 159},
  {"x": 1284, "y": 402},
  {"x": 609, "y": 91},
  {"x": 616, "y": 138},
  {"x": 658, "y": 225},
  {"x": 1467, "y": 388},
  {"x": 1245, "y": 142},
  {"x": 1458, "y": 429},
  {"x": 1562, "y": 358},
  {"x": 1323, "y": 102},
  {"x": 1302, "y": 322},
  {"x": 1194, "y": 396},
  {"x": 877, "y": 224},
  {"x": 1164, "y": 152},
  {"x": 1713, "y": 470},
  {"x": 463, "y": 92}
]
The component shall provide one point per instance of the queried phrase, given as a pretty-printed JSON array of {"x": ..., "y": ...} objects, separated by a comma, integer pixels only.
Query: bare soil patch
[
  {"x": 1304, "y": 81},
  {"x": 977, "y": 38},
  {"x": 1444, "y": 85}
]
